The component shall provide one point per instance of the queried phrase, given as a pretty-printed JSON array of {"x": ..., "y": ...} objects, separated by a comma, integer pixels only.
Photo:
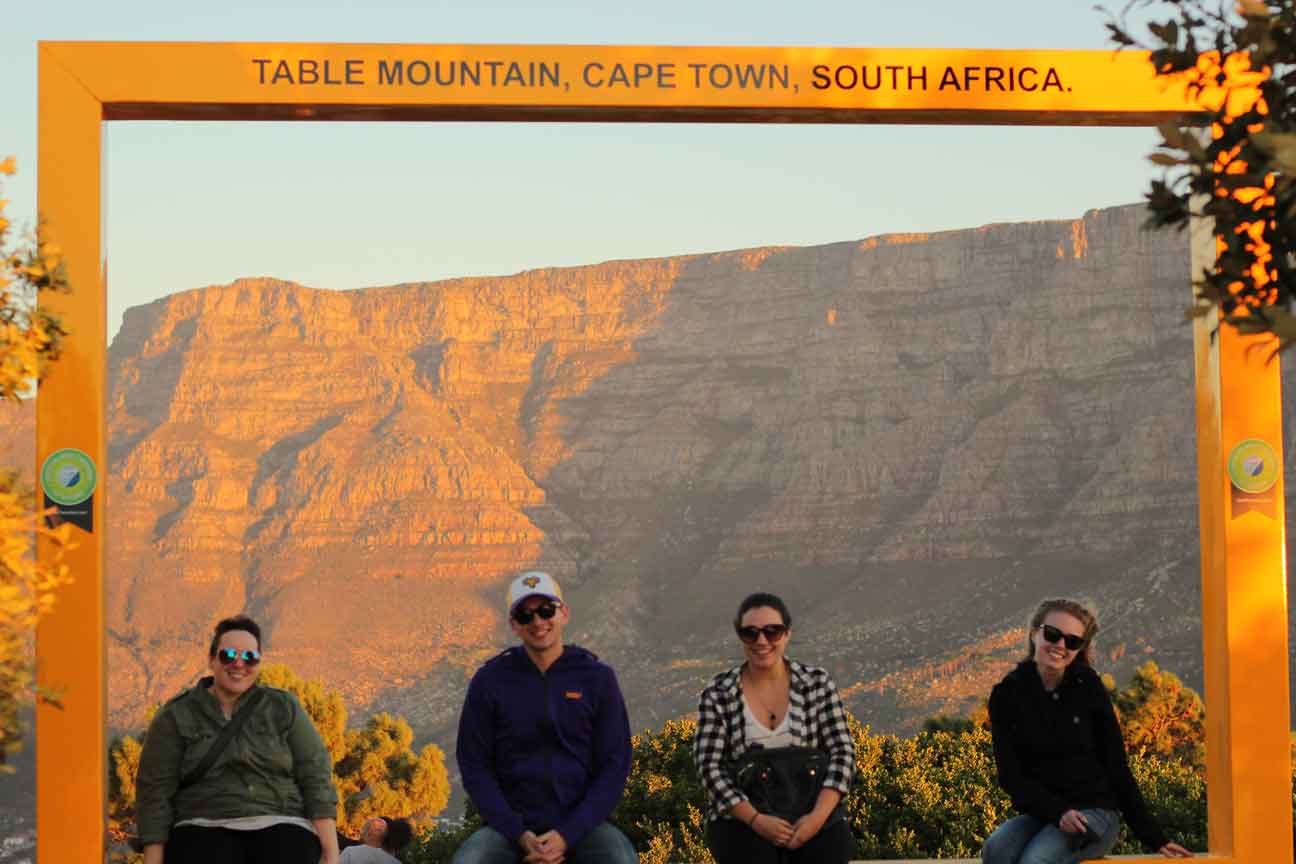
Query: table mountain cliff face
[{"x": 912, "y": 437}]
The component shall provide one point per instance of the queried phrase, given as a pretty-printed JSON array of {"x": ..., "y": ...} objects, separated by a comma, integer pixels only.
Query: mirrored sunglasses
[
  {"x": 1052, "y": 634},
  {"x": 228, "y": 655}
]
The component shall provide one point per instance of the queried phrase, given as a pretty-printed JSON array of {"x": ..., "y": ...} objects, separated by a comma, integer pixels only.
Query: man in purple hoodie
[{"x": 544, "y": 743}]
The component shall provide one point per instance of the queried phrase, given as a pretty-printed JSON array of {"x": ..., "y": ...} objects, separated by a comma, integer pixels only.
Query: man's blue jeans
[
  {"x": 604, "y": 845},
  {"x": 1027, "y": 840}
]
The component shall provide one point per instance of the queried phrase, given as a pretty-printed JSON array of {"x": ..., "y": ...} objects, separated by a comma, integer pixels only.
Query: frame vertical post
[
  {"x": 1244, "y": 586},
  {"x": 71, "y": 769}
]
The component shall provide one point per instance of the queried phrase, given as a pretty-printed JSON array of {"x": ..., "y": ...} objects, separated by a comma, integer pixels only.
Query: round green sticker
[
  {"x": 1253, "y": 466},
  {"x": 68, "y": 477}
]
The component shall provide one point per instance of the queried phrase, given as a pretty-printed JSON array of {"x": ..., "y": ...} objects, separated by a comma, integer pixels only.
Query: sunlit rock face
[{"x": 913, "y": 438}]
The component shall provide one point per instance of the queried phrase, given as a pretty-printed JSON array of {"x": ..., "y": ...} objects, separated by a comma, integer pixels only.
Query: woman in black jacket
[{"x": 1059, "y": 751}]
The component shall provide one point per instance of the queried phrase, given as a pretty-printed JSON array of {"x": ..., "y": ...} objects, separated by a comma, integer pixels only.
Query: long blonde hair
[{"x": 1082, "y": 610}]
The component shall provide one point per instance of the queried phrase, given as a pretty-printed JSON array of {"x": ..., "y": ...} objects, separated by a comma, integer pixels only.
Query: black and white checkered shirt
[{"x": 816, "y": 718}]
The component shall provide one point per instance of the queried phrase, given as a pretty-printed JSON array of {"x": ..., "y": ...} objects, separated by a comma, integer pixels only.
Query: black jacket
[{"x": 1063, "y": 750}]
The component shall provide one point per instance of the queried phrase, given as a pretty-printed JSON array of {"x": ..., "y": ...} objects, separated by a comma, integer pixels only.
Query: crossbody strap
[{"x": 237, "y": 722}]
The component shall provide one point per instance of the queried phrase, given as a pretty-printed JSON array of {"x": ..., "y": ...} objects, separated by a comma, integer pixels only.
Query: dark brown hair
[
  {"x": 759, "y": 599},
  {"x": 399, "y": 834},
  {"x": 238, "y": 622}
]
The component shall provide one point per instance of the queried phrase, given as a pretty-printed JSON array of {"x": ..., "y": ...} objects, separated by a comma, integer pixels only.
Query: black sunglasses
[
  {"x": 544, "y": 610},
  {"x": 773, "y": 633},
  {"x": 1053, "y": 634},
  {"x": 228, "y": 655}
]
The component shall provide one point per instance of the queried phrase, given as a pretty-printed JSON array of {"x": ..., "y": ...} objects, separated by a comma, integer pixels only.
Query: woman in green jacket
[{"x": 267, "y": 796}]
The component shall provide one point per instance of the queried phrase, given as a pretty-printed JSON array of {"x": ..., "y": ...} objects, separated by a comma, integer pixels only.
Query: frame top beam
[{"x": 318, "y": 81}]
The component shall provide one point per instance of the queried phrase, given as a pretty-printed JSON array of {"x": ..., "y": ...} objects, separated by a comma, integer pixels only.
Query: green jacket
[{"x": 276, "y": 765}]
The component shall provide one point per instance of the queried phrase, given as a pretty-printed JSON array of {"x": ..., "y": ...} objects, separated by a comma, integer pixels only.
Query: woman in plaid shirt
[{"x": 770, "y": 701}]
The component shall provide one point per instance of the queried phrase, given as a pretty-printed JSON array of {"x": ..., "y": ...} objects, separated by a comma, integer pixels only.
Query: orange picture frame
[{"x": 1238, "y": 397}]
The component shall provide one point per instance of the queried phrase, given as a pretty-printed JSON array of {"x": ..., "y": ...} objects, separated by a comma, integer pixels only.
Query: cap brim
[{"x": 513, "y": 608}]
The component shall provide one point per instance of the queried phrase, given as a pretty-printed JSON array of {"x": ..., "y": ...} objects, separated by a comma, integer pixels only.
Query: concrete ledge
[{"x": 1145, "y": 857}]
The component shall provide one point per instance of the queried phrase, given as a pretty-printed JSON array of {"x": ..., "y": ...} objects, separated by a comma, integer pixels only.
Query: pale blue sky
[{"x": 347, "y": 205}]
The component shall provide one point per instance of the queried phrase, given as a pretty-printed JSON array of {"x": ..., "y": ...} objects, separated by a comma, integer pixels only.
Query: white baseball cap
[{"x": 530, "y": 584}]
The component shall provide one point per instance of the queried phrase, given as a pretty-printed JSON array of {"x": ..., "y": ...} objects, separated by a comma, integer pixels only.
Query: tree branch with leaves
[
  {"x": 1239, "y": 169},
  {"x": 30, "y": 341}
]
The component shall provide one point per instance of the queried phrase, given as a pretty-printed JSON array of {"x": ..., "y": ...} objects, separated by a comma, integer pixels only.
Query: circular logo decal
[
  {"x": 68, "y": 477},
  {"x": 1253, "y": 466}
]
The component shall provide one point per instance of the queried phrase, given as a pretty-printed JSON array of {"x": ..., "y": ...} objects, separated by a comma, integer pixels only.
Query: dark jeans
[
  {"x": 732, "y": 842},
  {"x": 278, "y": 844}
]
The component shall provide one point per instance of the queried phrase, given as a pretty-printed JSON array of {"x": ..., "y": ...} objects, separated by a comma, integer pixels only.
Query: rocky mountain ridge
[{"x": 912, "y": 437}]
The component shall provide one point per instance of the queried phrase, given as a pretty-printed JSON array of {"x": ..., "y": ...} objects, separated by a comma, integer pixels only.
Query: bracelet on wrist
[{"x": 751, "y": 823}]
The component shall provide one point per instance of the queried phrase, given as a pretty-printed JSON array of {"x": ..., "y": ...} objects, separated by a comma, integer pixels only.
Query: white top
[
  {"x": 758, "y": 733},
  {"x": 366, "y": 855},
  {"x": 249, "y": 823}
]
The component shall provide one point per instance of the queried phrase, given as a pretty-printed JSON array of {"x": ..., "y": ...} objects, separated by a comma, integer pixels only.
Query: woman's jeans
[
  {"x": 604, "y": 845},
  {"x": 1027, "y": 840}
]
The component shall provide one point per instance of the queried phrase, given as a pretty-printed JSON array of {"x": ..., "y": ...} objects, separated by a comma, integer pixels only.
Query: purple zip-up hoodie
[{"x": 545, "y": 751}]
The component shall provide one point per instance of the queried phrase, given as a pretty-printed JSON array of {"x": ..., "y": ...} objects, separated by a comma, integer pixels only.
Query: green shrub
[
  {"x": 1175, "y": 792},
  {"x": 438, "y": 845},
  {"x": 663, "y": 793},
  {"x": 930, "y": 796}
]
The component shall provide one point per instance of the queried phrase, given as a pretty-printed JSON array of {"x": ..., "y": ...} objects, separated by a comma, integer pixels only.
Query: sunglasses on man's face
[
  {"x": 544, "y": 610},
  {"x": 227, "y": 656},
  {"x": 773, "y": 633},
  {"x": 1052, "y": 634}
]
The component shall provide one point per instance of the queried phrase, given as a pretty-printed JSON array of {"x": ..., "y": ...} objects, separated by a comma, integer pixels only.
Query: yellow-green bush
[{"x": 933, "y": 795}]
